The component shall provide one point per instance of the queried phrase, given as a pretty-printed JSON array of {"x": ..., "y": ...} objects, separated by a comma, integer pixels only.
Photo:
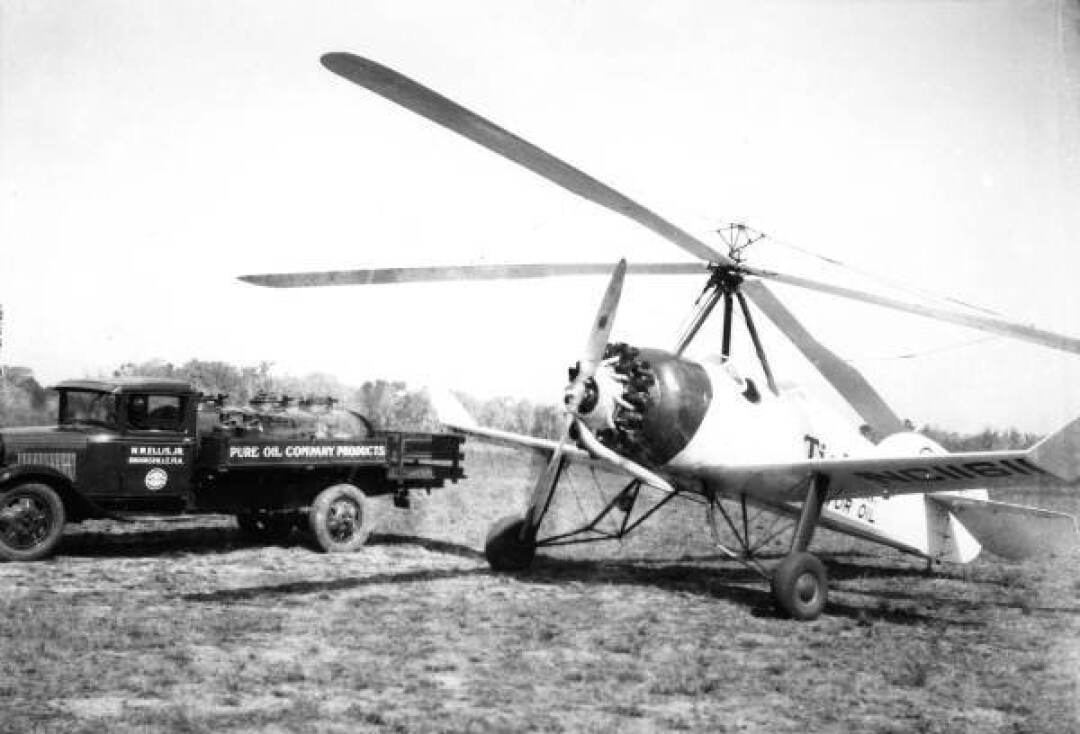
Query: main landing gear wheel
[
  {"x": 337, "y": 519},
  {"x": 504, "y": 548},
  {"x": 31, "y": 522},
  {"x": 799, "y": 586}
]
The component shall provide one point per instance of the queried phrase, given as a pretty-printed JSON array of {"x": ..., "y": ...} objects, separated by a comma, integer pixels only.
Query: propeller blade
[
  {"x": 602, "y": 453},
  {"x": 545, "y": 487},
  {"x": 983, "y": 323},
  {"x": 437, "y": 108},
  {"x": 379, "y": 276},
  {"x": 602, "y": 324},
  {"x": 847, "y": 381},
  {"x": 590, "y": 360}
]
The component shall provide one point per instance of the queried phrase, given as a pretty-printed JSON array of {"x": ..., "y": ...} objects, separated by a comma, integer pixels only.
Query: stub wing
[
  {"x": 1055, "y": 461},
  {"x": 453, "y": 415},
  {"x": 852, "y": 478}
]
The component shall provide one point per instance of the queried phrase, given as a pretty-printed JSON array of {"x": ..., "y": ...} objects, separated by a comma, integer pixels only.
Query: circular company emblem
[{"x": 156, "y": 479}]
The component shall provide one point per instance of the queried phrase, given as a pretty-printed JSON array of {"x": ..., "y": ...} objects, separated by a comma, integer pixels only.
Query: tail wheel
[
  {"x": 31, "y": 522},
  {"x": 338, "y": 519},
  {"x": 504, "y": 548},
  {"x": 800, "y": 587}
]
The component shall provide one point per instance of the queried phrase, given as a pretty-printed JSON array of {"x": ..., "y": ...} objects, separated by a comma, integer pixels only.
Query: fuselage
[
  {"x": 680, "y": 415},
  {"x": 695, "y": 421}
]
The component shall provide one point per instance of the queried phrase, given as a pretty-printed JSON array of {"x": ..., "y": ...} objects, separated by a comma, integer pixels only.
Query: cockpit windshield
[{"x": 88, "y": 407}]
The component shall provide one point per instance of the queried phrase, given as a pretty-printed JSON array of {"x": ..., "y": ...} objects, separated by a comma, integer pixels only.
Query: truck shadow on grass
[
  {"x": 121, "y": 542},
  {"x": 164, "y": 542}
]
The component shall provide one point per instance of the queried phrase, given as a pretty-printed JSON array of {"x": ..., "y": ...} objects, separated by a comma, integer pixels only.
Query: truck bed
[{"x": 410, "y": 459}]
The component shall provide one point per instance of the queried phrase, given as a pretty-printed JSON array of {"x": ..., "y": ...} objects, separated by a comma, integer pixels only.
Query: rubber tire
[
  {"x": 265, "y": 527},
  {"x": 800, "y": 586},
  {"x": 338, "y": 519},
  {"x": 46, "y": 499},
  {"x": 504, "y": 548}
]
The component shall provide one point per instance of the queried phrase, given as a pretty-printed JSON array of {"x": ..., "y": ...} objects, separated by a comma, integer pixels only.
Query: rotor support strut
[{"x": 757, "y": 342}]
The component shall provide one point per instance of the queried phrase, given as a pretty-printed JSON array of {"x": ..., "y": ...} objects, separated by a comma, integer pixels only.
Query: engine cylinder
[{"x": 667, "y": 396}]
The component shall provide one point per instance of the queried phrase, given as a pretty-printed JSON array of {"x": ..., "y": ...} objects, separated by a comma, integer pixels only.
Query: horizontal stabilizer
[{"x": 1013, "y": 531}]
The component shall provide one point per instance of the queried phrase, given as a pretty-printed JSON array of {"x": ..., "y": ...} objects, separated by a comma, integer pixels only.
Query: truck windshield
[{"x": 86, "y": 406}]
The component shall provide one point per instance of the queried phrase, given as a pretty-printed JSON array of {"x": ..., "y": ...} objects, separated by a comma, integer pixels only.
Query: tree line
[{"x": 386, "y": 403}]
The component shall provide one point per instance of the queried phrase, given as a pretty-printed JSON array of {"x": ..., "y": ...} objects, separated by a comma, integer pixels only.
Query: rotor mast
[{"x": 723, "y": 284}]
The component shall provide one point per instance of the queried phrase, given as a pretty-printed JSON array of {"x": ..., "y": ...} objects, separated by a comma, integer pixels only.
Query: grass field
[{"x": 182, "y": 626}]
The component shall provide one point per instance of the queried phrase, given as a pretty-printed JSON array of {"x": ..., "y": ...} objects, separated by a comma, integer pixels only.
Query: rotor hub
[{"x": 726, "y": 278}]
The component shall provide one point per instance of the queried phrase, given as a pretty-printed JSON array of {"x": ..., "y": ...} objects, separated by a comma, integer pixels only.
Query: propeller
[{"x": 590, "y": 360}]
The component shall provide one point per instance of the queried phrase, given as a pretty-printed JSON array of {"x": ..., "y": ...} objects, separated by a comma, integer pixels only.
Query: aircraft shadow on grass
[{"x": 684, "y": 575}]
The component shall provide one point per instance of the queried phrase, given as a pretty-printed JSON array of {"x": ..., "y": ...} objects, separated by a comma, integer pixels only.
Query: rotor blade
[
  {"x": 983, "y": 323},
  {"x": 379, "y": 276},
  {"x": 603, "y": 323},
  {"x": 848, "y": 381},
  {"x": 437, "y": 108}
]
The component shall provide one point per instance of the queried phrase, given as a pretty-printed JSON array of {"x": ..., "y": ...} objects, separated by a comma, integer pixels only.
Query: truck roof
[{"x": 132, "y": 384}]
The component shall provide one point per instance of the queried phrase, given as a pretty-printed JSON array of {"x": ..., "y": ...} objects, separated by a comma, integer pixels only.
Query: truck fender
[{"x": 77, "y": 505}]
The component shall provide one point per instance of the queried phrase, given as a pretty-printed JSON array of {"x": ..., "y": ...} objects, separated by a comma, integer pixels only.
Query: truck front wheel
[
  {"x": 338, "y": 519},
  {"x": 31, "y": 522}
]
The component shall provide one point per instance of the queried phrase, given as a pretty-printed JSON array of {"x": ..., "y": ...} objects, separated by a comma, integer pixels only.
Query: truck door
[{"x": 156, "y": 449}]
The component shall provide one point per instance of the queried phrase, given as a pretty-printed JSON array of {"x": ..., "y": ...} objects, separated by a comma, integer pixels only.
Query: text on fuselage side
[
  {"x": 955, "y": 472},
  {"x": 293, "y": 451}
]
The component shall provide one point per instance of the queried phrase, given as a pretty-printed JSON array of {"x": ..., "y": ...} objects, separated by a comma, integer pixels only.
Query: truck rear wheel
[
  {"x": 338, "y": 519},
  {"x": 31, "y": 522}
]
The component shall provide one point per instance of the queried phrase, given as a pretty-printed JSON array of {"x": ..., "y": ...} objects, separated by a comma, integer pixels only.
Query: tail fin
[
  {"x": 1059, "y": 453},
  {"x": 1011, "y": 531}
]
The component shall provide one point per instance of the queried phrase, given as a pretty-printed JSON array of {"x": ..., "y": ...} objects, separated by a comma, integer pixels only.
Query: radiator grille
[{"x": 62, "y": 461}]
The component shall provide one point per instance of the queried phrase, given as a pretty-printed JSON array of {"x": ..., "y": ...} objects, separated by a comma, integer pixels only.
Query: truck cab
[
  {"x": 125, "y": 443},
  {"x": 140, "y": 441}
]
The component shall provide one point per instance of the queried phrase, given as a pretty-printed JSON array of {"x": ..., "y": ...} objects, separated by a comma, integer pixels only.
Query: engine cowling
[{"x": 647, "y": 404}]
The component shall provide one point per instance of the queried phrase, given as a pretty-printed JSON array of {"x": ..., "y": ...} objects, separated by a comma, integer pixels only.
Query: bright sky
[{"x": 152, "y": 151}]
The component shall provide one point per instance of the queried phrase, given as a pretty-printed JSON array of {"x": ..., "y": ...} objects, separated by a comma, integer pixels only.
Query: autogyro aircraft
[{"x": 700, "y": 430}]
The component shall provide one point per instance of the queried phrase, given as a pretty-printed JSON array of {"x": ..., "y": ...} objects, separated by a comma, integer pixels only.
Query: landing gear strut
[{"x": 799, "y": 584}]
